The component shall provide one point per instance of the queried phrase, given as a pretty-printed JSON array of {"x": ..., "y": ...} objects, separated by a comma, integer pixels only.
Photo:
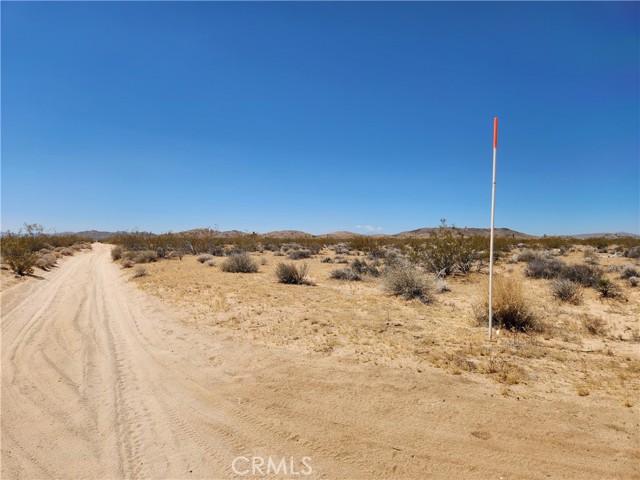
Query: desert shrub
[
  {"x": 544, "y": 267},
  {"x": 216, "y": 251},
  {"x": 204, "y": 257},
  {"x": 590, "y": 256},
  {"x": 176, "y": 254},
  {"x": 66, "y": 251},
  {"x": 289, "y": 273},
  {"x": 566, "y": 290},
  {"x": 449, "y": 249},
  {"x": 116, "y": 253},
  {"x": 634, "y": 281},
  {"x": 299, "y": 254},
  {"x": 235, "y": 251},
  {"x": 408, "y": 282},
  {"x": 633, "y": 252},
  {"x": 594, "y": 325},
  {"x": 326, "y": 260},
  {"x": 210, "y": 263},
  {"x": 127, "y": 263},
  {"x": 140, "y": 271},
  {"x": 441, "y": 285},
  {"x": 240, "y": 263},
  {"x": 340, "y": 259},
  {"x": 607, "y": 288},
  {"x": 144, "y": 256},
  {"x": 46, "y": 261},
  {"x": 629, "y": 271},
  {"x": 361, "y": 267},
  {"x": 527, "y": 255},
  {"x": 346, "y": 274},
  {"x": 17, "y": 254},
  {"x": 511, "y": 309},
  {"x": 586, "y": 275}
]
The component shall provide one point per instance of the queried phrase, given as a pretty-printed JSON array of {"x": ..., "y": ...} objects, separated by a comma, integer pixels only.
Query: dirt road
[{"x": 100, "y": 381}]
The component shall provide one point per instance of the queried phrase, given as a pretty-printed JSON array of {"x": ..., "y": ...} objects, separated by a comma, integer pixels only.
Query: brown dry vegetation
[{"x": 589, "y": 349}]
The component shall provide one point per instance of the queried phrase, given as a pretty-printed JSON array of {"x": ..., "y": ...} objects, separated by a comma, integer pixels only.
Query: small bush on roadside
[
  {"x": 46, "y": 261},
  {"x": 240, "y": 263},
  {"x": 409, "y": 283},
  {"x": 17, "y": 254},
  {"x": 145, "y": 256},
  {"x": 299, "y": 254},
  {"x": 116, "y": 253},
  {"x": 126, "y": 263},
  {"x": 566, "y": 291},
  {"x": 204, "y": 257},
  {"x": 511, "y": 309},
  {"x": 291, "y": 274}
]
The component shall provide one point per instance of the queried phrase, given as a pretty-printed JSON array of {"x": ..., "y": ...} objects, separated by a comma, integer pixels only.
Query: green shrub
[
  {"x": 566, "y": 291},
  {"x": 145, "y": 256},
  {"x": 407, "y": 282},
  {"x": 289, "y": 273},
  {"x": 448, "y": 250},
  {"x": 17, "y": 254},
  {"x": 239, "y": 263},
  {"x": 607, "y": 288},
  {"x": 140, "y": 271}
]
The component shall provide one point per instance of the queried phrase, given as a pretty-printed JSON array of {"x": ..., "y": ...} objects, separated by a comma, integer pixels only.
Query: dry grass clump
[
  {"x": 511, "y": 309},
  {"x": 46, "y": 261},
  {"x": 290, "y": 274},
  {"x": 634, "y": 281},
  {"x": 629, "y": 271},
  {"x": 142, "y": 256},
  {"x": 586, "y": 275},
  {"x": 594, "y": 325},
  {"x": 566, "y": 291},
  {"x": 210, "y": 263},
  {"x": 239, "y": 263},
  {"x": 407, "y": 282}
]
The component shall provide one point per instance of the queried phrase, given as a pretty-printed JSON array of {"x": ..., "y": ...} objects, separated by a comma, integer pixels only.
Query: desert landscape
[{"x": 136, "y": 358}]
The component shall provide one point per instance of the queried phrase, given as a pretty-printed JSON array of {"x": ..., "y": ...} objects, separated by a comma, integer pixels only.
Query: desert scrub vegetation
[
  {"x": 566, "y": 291},
  {"x": 511, "y": 308},
  {"x": 204, "y": 257},
  {"x": 408, "y": 282},
  {"x": 608, "y": 289},
  {"x": 448, "y": 250},
  {"x": 239, "y": 263},
  {"x": 299, "y": 254},
  {"x": 116, "y": 253},
  {"x": 291, "y": 274},
  {"x": 140, "y": 271},
  {"x": 25, "y": 250},
  {"x": 348, "y": 274}
]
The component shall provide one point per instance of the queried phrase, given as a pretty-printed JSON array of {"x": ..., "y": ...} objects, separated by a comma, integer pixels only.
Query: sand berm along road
[{"x": 101, "y": 381}]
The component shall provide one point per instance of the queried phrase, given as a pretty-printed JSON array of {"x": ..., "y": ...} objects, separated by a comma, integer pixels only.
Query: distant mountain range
[{"x": 293, "y": 234}]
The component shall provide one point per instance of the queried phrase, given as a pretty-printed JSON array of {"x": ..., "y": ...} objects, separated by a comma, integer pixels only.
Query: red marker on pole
[{"x": 493, "y": 211}]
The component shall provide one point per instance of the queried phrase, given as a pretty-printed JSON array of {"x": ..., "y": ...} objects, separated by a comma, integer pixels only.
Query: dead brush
[
  {"x": 511, "y": 308},
  {"x": 566, "y": 291},
  {"x": 289, "y": 273}
]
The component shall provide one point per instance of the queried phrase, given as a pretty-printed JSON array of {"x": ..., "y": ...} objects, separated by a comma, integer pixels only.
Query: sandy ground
[{"x": 101, "y": 380}]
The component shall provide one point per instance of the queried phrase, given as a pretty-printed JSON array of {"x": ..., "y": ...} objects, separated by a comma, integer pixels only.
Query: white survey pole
[{"x": 493, "y": 214}]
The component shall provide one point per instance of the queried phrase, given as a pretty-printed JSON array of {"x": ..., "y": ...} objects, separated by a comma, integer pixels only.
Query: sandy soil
[{"x": 101, "y": 380}]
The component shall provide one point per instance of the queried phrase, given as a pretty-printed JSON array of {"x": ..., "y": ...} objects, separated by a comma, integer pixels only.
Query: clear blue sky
[{"x": 320, "y": 116}]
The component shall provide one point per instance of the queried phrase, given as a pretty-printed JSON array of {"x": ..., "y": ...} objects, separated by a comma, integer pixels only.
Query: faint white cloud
[{"x": 368, "y": 228}]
